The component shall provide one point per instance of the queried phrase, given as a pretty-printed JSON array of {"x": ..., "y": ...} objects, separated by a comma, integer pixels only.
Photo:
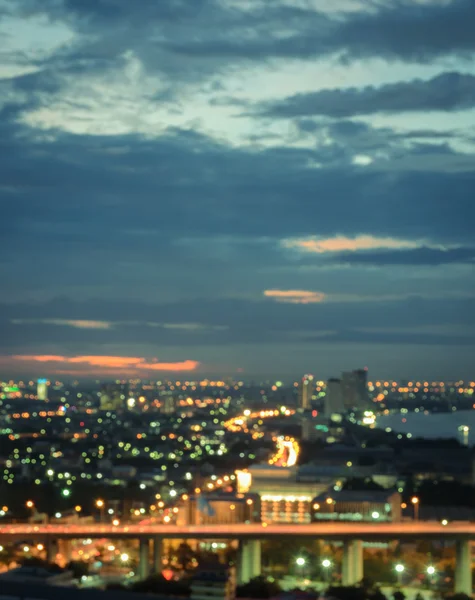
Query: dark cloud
[
  {"x": 417, "y": 256},
  {"x": 212, "y": 33},
  {"x": 446, "y": 92}
]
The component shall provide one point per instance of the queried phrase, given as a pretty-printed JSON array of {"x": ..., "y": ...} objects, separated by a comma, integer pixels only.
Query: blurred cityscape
[{"x": 136, "y": 456}]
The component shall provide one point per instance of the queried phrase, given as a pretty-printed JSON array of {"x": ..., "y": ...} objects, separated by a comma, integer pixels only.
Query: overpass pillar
[
  {"x": 144, "y": 547},
  {"x": 352, "y": 567},
  {"x": 51, "y": 550},
  {"x": 249, "y": 563},
  {"x": 157, "y": 554},
  {"x": 463, "y": 567}
]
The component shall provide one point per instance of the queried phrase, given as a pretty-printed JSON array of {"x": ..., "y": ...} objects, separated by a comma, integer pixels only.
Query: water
[{"x": 437, "y": 425}]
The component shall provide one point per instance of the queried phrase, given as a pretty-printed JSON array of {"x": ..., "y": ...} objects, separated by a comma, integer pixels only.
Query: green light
[{"x": 66, "y": 493}]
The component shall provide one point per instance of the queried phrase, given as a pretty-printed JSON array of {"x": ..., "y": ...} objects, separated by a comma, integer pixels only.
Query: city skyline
[{"x": 217, "y": 188}]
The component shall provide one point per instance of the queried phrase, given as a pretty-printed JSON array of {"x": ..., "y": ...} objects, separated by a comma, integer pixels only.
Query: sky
[{"x": 244, "y": 188}]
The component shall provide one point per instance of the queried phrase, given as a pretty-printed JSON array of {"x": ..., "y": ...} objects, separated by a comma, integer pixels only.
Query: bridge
[{"x": 250, "y": 536}]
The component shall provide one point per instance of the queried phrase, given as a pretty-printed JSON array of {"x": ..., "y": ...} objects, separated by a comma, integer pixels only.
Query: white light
[
  {"x": 326, "y": 563},
  {"x": 58, "y": 515},
  {"x": 399, "y": 568},
  {"x": 300, "y": 561},
  {"x": 172, "y": 493},
  {"x": 430, "y": 570},
  {"x": 124, "y": 557},
  {"x": 444, "y": 522},
  {"x": 375, "y": 514},
  {"x": 26, "y": 549}
]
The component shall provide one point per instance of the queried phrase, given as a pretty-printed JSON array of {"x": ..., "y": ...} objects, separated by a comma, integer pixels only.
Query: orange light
[
  {"x": 30, "y": 504},
  {"x": 415, "y": 500},
  {"x": 78, "y": 508}
]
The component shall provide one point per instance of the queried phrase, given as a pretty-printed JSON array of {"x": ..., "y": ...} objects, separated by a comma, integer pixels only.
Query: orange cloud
[
  {"x": 112, "y": 362},
  {"x": 295, "y": 296},
  {"x": 76, "y": 323},
  {"x": 346, "y": 244}
]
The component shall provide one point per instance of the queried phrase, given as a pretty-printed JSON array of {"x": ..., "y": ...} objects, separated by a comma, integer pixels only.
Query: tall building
[
  {"x": 333, "y": 401},
  {"x": 42, "y": 389},
  {"x": 305, "y": 392},
  {"x": 112, "y": 396},
  {"x": 354, "y": 387}
]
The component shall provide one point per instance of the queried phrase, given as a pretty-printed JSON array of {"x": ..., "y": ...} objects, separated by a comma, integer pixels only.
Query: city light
[
  {"x": 124, "y": 557},
  {"x": 300, "y": 561},
  {"x": 66, "y": 493},
  {"x": 100, "y": 503},
  {"x": 326, "y": 563},
  {"x": 375, "y": 514},
  {"x": 430, "y": 570},
  {"x": 30, "y": 504}
]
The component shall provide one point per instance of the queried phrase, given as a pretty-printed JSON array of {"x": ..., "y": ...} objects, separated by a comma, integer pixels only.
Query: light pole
[
  {"x": 326, "y": 564},
  {"x": 100, "y": 505},
  {"x": 430, "y": 574},
  {"x": 415, "y": 503},
  {"x": 399, "y": 570}
]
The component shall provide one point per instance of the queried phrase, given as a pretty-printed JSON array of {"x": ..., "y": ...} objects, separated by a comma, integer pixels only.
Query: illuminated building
[
  {"x": 333, "y": 400},
  {"x": 305, "y": 392},
  {"x": 112, "y": 397},
  {"x": 349, "y": 505},
  {"x": 42, "y": 389},
  {"x": 283, "y": 498},
  {"x": 354, "y": 387},
  {"x": 218, "y": 508},
  {"x": 168, "y": 404}
]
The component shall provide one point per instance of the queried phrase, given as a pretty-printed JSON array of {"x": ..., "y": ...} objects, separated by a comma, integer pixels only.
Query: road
[{"x": 327, "y": 531}]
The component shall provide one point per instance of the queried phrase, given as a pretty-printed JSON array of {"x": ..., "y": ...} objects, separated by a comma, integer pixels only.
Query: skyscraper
[
  {"x": 355, "y": 389},
  {"x": 333, "y": 401},
  {"x": 42, "y": 389},
  {"x": 305, "y": 392}
]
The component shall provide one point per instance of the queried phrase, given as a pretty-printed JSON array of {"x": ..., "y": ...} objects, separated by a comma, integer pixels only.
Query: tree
[{"x": 184, "y": 556}]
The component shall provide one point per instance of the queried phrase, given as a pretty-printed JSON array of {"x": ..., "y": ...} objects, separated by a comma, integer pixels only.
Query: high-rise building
[
  {"x": 42, "y": 389},
  {"x": 112, "y": 396},
  {"x": 333, "y": 401},
  {"x": 355, "y": 389},
  {"x": 306, "y": 386}
]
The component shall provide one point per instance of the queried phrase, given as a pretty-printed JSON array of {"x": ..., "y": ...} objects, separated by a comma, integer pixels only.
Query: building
[
  {"x": 168, "y": 404},
  {"x": 306, "y": 387},
  {"x": 333, "y": 401},
  {"x": 283, "y": 497},
  {"x": 42, "y": 389},
  {"x": 350, "y": 505},
  {"x": 112, "y": 396},
  {"x": 354, "y": 387},
  {"x": 219, "y": 508}
]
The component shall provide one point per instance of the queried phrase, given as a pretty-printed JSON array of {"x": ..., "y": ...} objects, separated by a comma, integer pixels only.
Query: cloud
[
  {"x": 114, "y": 363},
  {"x": 77, "y": 323},
  {"x": 416, "y": 256},
  {"x": 295, "y": 296},
  {"x": 343, "y": 243},
  {"x": 446, "y": 92}
]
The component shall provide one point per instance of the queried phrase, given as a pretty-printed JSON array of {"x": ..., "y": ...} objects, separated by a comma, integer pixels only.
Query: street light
[
  {"x": 326, "y": 564},
  {"x": 100, "y": 505},
  {"x": 124, "y": 557},
  {"x": 430, "y": 570},
  {"x": 30, "y": 504},
  {"x": 375, "y": 514},
  {"x": 300, "y": 561},
  {"x": 399, "y": 570},
  {"x": 415, "y": 503}
]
